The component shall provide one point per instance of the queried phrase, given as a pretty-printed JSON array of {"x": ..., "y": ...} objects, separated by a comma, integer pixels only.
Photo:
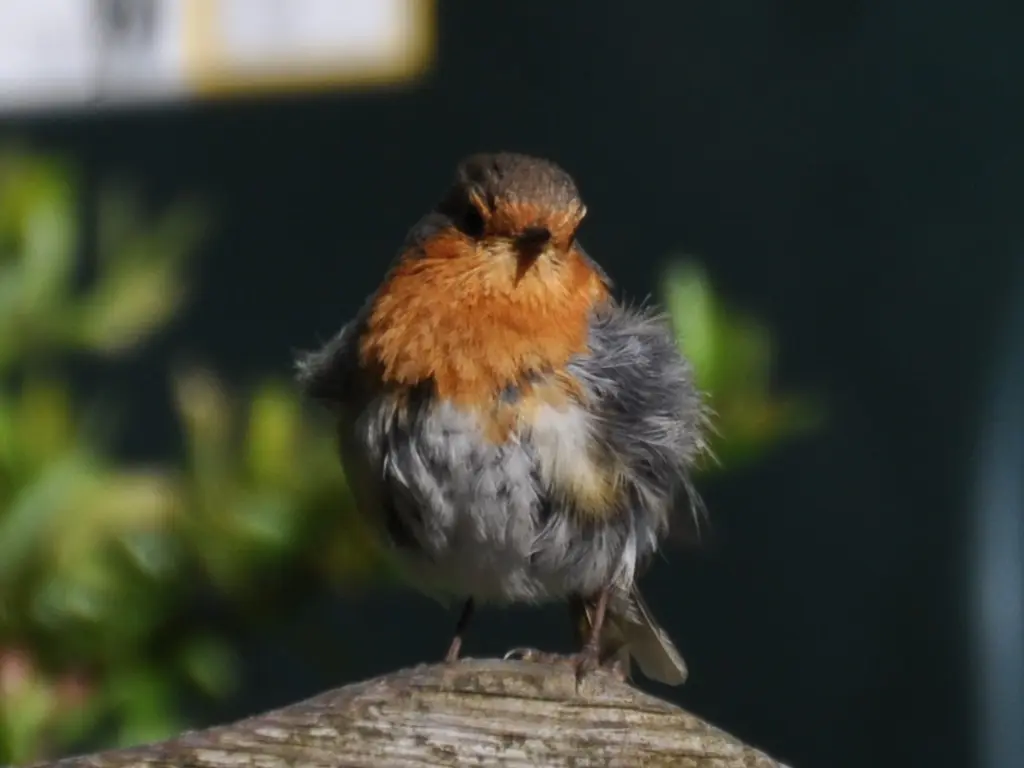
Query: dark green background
[{"x": 849, "y": 171}]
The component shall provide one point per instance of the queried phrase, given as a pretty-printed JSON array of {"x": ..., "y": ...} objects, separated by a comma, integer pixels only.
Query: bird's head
[
  {"x": 508, "y": 213},
  {"x": 491, "y": 282}
]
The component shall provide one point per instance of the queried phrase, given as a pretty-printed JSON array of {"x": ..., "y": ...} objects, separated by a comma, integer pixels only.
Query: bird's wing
[{"x": 326, "y": 374}]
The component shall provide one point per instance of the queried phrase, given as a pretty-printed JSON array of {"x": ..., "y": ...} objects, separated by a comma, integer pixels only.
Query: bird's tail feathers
[{"x": 630, "y": 630}]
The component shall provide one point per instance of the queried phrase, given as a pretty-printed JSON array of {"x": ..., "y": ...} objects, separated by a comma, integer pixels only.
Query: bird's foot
[
  {"x": 586, "y": 661},
  {"x": 532, "y": 655},
  {"x": 581, "y": 664}
]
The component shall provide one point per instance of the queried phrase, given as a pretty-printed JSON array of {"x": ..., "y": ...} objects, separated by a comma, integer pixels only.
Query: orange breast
[{"x": 473, "y": 324}]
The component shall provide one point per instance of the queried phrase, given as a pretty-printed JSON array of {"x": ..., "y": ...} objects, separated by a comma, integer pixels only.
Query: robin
[{"x": 513, "y": 432}]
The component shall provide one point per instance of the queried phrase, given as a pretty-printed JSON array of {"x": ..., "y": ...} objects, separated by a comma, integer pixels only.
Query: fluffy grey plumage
[{"x": 470, "y": 518}]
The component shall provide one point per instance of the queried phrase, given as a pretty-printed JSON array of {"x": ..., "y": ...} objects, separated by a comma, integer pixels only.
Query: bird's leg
[
  {"x": 589, "y": 658},
  {"x": 614, "y": 655},
  {"x": 460, "y": 629}
]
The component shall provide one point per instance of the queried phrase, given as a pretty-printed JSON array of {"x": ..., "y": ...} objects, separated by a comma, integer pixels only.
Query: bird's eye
[{"x": 472, "y": 221}]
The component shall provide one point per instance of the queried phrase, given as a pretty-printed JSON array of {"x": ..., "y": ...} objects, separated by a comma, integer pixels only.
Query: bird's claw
[
  {"x": 531, "y": 655},
  {"x": 581, "y": 664},
  {"x": 585, "y": 662}
]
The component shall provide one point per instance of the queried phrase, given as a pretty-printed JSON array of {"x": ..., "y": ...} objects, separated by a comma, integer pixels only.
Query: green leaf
[
  {"x": 30, "y": 519},
  {"x": 128, "y": 306},
  {"x": 691, "y": 306},
  {"x": 273, "y": 436},
  {"x": 47, "y": 255},
  {"x": 26, "y": 707},
  {"x": 144, "y": 700},
  {"x": 43, "y": 423},
  {"x": 732, "y": 355},
  {"x": 211, "y": 665},
  {"x": 266, "y": 519}
]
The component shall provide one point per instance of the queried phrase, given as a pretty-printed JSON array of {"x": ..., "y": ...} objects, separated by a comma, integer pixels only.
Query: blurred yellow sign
[
  {"x": 233, "y": 45},
  {"x": 78, "y": 53}
]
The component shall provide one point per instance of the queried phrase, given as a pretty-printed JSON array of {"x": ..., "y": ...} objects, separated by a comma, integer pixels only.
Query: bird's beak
[
  {"x": 529, "y": 244},
  {"x": 533, "y": 238}
]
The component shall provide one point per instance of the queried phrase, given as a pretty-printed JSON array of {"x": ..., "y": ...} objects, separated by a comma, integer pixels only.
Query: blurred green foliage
[
  {"x": 732, "y": 356},
  {"x": 99, "y": 559}
]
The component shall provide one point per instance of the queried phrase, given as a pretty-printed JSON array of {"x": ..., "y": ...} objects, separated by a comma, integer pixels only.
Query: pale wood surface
[{"x": 478, "y": 712}]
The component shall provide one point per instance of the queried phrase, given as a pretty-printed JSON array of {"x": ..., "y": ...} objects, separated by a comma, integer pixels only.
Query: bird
[{"x": 511, "y": 431}]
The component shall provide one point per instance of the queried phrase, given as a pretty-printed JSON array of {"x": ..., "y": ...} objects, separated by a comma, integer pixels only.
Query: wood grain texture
[{"x": 473, "y": 713}]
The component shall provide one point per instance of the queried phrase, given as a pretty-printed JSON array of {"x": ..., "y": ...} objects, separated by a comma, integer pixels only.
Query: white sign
[{"x": 84, "y": 53}]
